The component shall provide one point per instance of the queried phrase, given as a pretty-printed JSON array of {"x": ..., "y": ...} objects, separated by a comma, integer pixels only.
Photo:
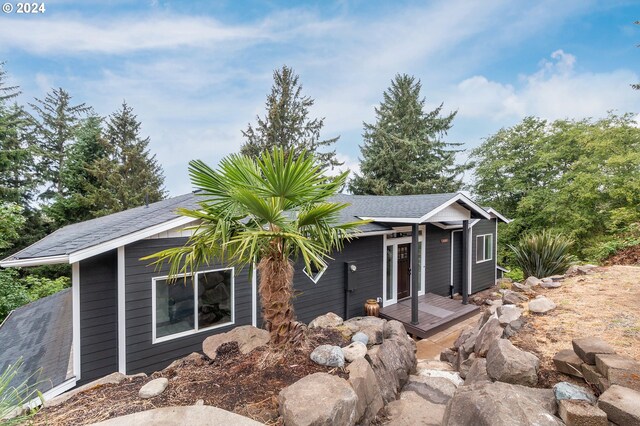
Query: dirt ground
[
  {"x": 245, "y": 384},
  {"x": 605, "y": 304}
]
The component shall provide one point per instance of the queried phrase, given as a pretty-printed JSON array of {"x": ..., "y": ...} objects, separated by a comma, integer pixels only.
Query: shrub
[
  {"x": 39, "y": 287},
  {"x": 543, "y": 254},
  {"x": 14, "y": 396},
  {"x": 12, "y": 293},
  {"x": 515, "y": 274}
]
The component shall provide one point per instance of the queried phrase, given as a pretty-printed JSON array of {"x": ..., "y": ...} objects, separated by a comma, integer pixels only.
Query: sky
[{"x": 197, "y": 72}]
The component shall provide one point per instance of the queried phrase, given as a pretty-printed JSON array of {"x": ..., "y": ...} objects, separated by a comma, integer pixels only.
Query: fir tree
[
  {"x": 131, "y": 173},
  {"x": 403, "y": 151},
  {"x": 53, "y": 130},
  {"x": 287, "y": 123}
]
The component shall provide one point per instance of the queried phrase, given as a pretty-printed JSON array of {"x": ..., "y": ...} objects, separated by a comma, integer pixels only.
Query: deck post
[
  {"x": 465, "y": 262},
  {"x": 415, "y": 273}
]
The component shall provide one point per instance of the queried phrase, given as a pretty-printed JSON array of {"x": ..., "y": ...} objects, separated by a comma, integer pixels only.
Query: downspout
[
  {"x": 465, "y": 262},
  {"x": 415, "y": 273}
]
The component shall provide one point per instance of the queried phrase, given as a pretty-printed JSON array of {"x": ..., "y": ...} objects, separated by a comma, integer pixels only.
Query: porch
[{"x": 435, "y": 313}]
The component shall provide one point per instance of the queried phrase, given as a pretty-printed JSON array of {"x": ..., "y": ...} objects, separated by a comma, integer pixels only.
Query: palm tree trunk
[{"x": 276, "y": 292}]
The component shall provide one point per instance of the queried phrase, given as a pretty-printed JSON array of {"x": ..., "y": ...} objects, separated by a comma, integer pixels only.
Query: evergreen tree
[
  {"x": 132, "y": 175},
  {"x": 53, "y": 130},
  {"x": 287, "y": 123},
  {"x": 403, "y": 151}
]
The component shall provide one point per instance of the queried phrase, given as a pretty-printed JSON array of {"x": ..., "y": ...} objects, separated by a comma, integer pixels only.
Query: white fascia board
[
  {"x": 122, "y": 328},
  {"x": 391, "y": 219},
  {"x": 460, "y": 197},
  {"x": 473, "y": 222},
  {"x": 52, "y": 393},
  {"x": 372, "y": 233},
  {"x": 128, "y": 239},
  {"x": 446, "y": 227},
  {"x": 35, "y": 261},
  {"x": 499, "y": 216}
]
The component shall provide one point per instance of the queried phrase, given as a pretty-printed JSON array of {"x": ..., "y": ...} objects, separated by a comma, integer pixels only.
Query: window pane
[
  {"x": 390, "y": 274},
  {"x": 488, "y": 247},
  {"x": 174, "y": 306},
  {"x": 479, "y": 248},
  {"x": 214, "y": 298}
]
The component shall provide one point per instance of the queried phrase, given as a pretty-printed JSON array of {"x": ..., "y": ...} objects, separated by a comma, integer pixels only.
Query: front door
[{"x": 404, "y": 268}]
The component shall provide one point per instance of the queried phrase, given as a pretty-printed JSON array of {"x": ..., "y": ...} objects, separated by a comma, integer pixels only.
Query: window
[
  {"x": 199, "y": 302},
  {"x": 484, "y": 248},
  {"x": 316, "y": 273}
]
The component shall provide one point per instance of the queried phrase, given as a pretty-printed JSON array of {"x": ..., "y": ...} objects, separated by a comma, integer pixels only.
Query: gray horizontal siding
[
  {"x": 142, "y": 354},
  {"x": 98, "y": 316},
  {"x": 483, "y": 274},
  {"x": 438, "y": 261}
]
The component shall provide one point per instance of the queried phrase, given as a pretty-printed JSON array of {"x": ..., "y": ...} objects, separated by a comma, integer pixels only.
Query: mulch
[
  {"x": 626, "y": 256},
  {"x": 245, "y": 384}
]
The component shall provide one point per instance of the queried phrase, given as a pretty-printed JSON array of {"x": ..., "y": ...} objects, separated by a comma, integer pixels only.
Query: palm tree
[{"x": 270, "y": 211}]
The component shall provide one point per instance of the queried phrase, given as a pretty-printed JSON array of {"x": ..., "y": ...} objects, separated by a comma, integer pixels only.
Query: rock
[
  {"x": 513, "y": 327},
  {"x": 153, "y": 388},
  {"x": 434, "y": 389},
  {"x": 550, "y": 283},
  {"x": 360, "y": 337},
  {"x": 622, "y": 405},
  {"x": 477, "y": 372},
  {"x": 327, "y": 320},
  {"x": 247, "y": 336},
  {"x": 489, "y": 333},
  {"x": 513, "y": 298},
  {"x": 619, "y": 370},
  {"x": 565, "y": 390},
  {"x": 373, "y": 327},
  {"x": 541, "y": 305},
  {"x": 567, "y": 362},
  {"x": 464, "y": 366},
  {"x": 393, "y": 328},
  {"x": 193, "y": 358},
  {"x": 588, "y": 347},
  {"x": 452, "y": 376},
  {"x": 364, "y": 383},
  {"x": 392, "y": 362},
  {"x": 431, "y": 364},
  {"x": 500, "y": 404},
  {"x": 593, "y": 377},
  {"x": 523, "y": 288},
  {"x": 331, "y": 356},
  {"x": 412, "y": 410},
  {"x": 581, "y": 413},
  {"x": 506, "y": 363},
  {"x": 448, "y": 355},
  {"x": 508, "y": 314},
  {"x": 556, "y": 277},
  {"x": 354, "y": 351},
  {"x": 199, "y": 402},
  {"x": 532, "y": 282},
  {"x": 318, "y": 399},
  {"x": 110, "y": 379},
  {"x": 178, "y": 416},
  {"x": 580, "y": 270},
  {"x": 467, "y": 340}
]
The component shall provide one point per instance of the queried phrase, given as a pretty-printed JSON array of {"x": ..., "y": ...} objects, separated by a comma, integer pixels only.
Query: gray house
[{"x": 415, "y": 254}]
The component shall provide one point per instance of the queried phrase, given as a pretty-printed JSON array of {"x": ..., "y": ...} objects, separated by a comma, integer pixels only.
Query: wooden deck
[{"x": 435, "y": 313}]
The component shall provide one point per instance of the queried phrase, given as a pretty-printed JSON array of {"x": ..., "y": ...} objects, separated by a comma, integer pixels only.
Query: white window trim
[
  {"x": 395, "y": 242},
  {"x": 318, "y": 275},
  {"x": 490, "y": 258},
  {"x": 196, "y": 330}
]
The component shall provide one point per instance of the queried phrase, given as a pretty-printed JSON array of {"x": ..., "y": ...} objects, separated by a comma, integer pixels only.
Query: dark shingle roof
[
  {"x": 39, "y": 332},
  {"x": 90, "y": 233}
]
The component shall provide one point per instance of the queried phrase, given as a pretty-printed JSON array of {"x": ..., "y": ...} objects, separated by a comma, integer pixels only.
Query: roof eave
[{"x": 34, "y": 261}]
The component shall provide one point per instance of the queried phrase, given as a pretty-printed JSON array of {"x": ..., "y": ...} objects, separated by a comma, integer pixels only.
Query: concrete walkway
[
  {"x": 194, "y": 415},
  {"x": 431, "y": 347}
]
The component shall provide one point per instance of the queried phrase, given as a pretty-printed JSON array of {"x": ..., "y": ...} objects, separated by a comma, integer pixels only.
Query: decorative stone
[
  {"x": 327, "y": 320},
  {"x": 431, "y": 364},
  {"x": 501, "y": 404},
  {"x": 593, "y": 377},
  {"x": 392, "y": 362},
  {"x": 508, "y": 314},
  {"x": 464, "y": 366},
  {"x": 477, "y": 372},
  {"x": 565, "y": 390},
  {"x": 318, "y": 399},
  {"x": 532, "y": 282},
  {"x": 506, "y": 363},
  {"x": 622, "y": 405},
  {"x": 373, "y": 327},
  {"x": 550, "y": 283},
  {"x": 489, "y": 333},
  {"x": 513, "y": 327},
  {"x": 588, "y": 347},
  {"x": 331, "y": 356},
  {"x": 452, "y": 376},
  {"x": 448, "y": 355},
  {"x": 581, "y": 413},
  {"x": 619, "y": 370},
  {"x": 513, "y": 298},
  {"x": 523, "y": 288},
  {"x": 364, "y": 383},
  {"x": 360, "y": 337},
  {"x": 153, "y": 388},
  {"x": 541, "y": 305},
  {"x": 247, "y": 336},
  {"x": 354, "y": 351},
  {"x": 434, "y": 389},
  {"x": 411, "y": 409},
  {"x": 580, "y": 270},
  {"x": 394, "y": 329},
  {"x": 567, "y": 362}
]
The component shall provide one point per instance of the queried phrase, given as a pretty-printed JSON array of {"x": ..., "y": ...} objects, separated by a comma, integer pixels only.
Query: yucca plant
[
  {"x": 14, "y": 396},
  {"x": 543, "y": 254}
]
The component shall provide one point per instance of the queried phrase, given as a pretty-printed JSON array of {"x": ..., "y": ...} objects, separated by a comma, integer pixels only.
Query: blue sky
[{"x": 196, "y": 72}]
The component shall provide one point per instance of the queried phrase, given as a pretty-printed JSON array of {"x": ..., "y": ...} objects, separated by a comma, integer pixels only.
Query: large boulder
[
  {"x": 354, "y": 351},
  {"x": 318, "y": 399},
  {"x": 567, "y": 362},
  {"x": 588, "y": 347},
  {"x": 619, "y": 370},
  {"x": 364, "y": 383},
  {"x": 506, "y": 363},
  {"x": 532, "y": 281},
  {"x": 489, "y": 333},
  {"x": 622, "y": 405},
  {"x": 477, "y": 372},
  {"x": 437, "y": 390},
  {"x": 392, "y": 362},
  {"x": 373, "y": 327},
  {"x": 501, "y": 404},
  {"x": 508, "y": 314},
  {"x": 541, "y": 305},
  {"x": 411, "y": 410},
  {"x": 327, "y": 320},
  {"x": 331, "y": 356},
  {"x": 581, "y": 413},
  {"x": 247, "y": 337}
]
